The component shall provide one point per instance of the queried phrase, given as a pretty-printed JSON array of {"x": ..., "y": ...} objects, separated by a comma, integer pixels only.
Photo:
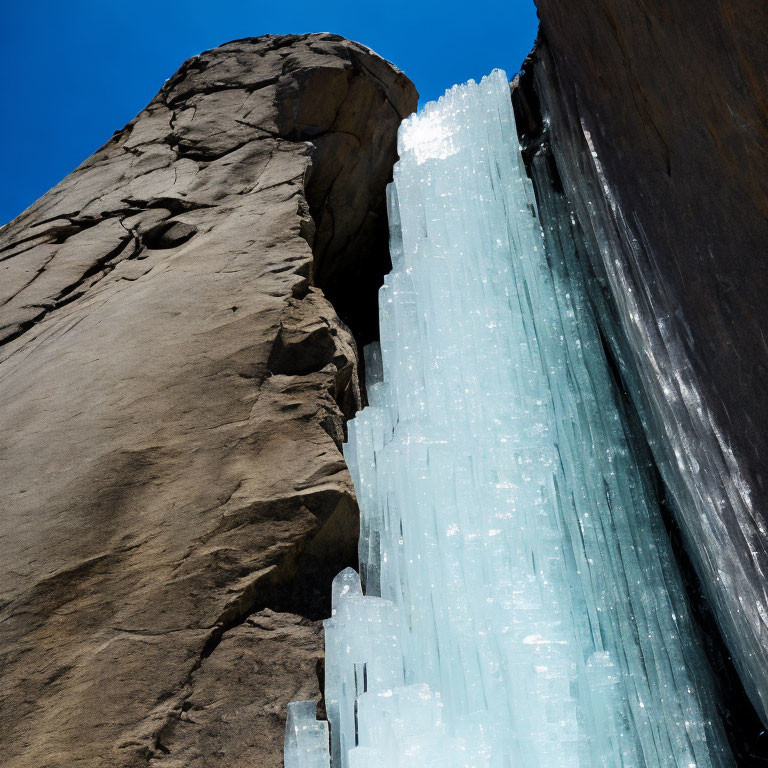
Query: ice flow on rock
[{"x": 522, "y": 607}]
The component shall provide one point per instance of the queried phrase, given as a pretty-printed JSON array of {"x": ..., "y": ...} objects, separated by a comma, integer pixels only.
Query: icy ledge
[{"x": 522, "y": 605}]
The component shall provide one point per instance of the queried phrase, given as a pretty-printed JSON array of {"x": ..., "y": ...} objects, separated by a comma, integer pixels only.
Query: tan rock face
[{"x": 174, "y": 391}]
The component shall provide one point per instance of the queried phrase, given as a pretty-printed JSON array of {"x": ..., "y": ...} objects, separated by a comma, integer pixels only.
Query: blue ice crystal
[{"x": 522, "y": 606}]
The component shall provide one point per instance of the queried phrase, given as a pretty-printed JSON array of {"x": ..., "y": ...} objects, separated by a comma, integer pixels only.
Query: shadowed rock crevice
[
  {"x": 175, "y": 389},
  {"x": 341, "y": 129}
]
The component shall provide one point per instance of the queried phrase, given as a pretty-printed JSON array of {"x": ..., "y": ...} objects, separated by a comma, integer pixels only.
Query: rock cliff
[
  {"x": 178, "y": 328},
  {"x": 644, "y": 126},
  {"x": 175, "y": 383}
]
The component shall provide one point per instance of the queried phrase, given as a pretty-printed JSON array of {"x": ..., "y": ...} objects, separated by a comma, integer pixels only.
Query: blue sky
[{"x": 73, "y": 72}]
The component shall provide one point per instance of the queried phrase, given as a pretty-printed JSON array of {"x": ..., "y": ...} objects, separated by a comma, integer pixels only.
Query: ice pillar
[{"x": 522, "y": 605}]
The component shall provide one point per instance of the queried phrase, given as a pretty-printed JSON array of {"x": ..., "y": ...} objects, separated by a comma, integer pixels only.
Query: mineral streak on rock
[
  {"x": 174, "y": 390},
  {"x": 653, "y": 118}
]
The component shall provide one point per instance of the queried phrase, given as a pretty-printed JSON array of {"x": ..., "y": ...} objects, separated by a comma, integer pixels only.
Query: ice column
[
  {"x": 522, "y": 607},
  {"x": 306, "y": 737}
]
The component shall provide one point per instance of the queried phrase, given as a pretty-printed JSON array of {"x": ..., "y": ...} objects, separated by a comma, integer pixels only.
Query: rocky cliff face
[
  {"x": 645, "y": 130},
  {"x": 177, "y": 358},
  {"x": 175, "y": 383}
]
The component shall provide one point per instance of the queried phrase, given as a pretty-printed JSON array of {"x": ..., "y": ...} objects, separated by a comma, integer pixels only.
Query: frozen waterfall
[{"x": 522, "y": 606}]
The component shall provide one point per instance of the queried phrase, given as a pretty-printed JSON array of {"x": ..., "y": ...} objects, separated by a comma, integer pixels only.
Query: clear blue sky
[{"x": 74, "y": 71}]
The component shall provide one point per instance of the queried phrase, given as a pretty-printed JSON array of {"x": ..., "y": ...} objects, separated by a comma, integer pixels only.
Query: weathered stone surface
[
  {"x": 237, "y": 696},
  {"x": 653, "y": 114},
  {"x": 174, "y": 390}
]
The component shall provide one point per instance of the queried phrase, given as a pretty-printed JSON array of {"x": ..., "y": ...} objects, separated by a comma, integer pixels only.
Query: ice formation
[{"x": 522, "y": 607}]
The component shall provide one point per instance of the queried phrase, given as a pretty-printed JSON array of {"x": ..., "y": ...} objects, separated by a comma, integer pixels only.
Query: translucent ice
[
  {"x": 521, "y": 605},
  {"x": 306, "y": 737}
]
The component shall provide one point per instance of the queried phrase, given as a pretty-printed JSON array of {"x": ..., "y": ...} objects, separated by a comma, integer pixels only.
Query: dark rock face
[
  {"x": 175, "y": 386},
  {"x": 648, "y": 120}
]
